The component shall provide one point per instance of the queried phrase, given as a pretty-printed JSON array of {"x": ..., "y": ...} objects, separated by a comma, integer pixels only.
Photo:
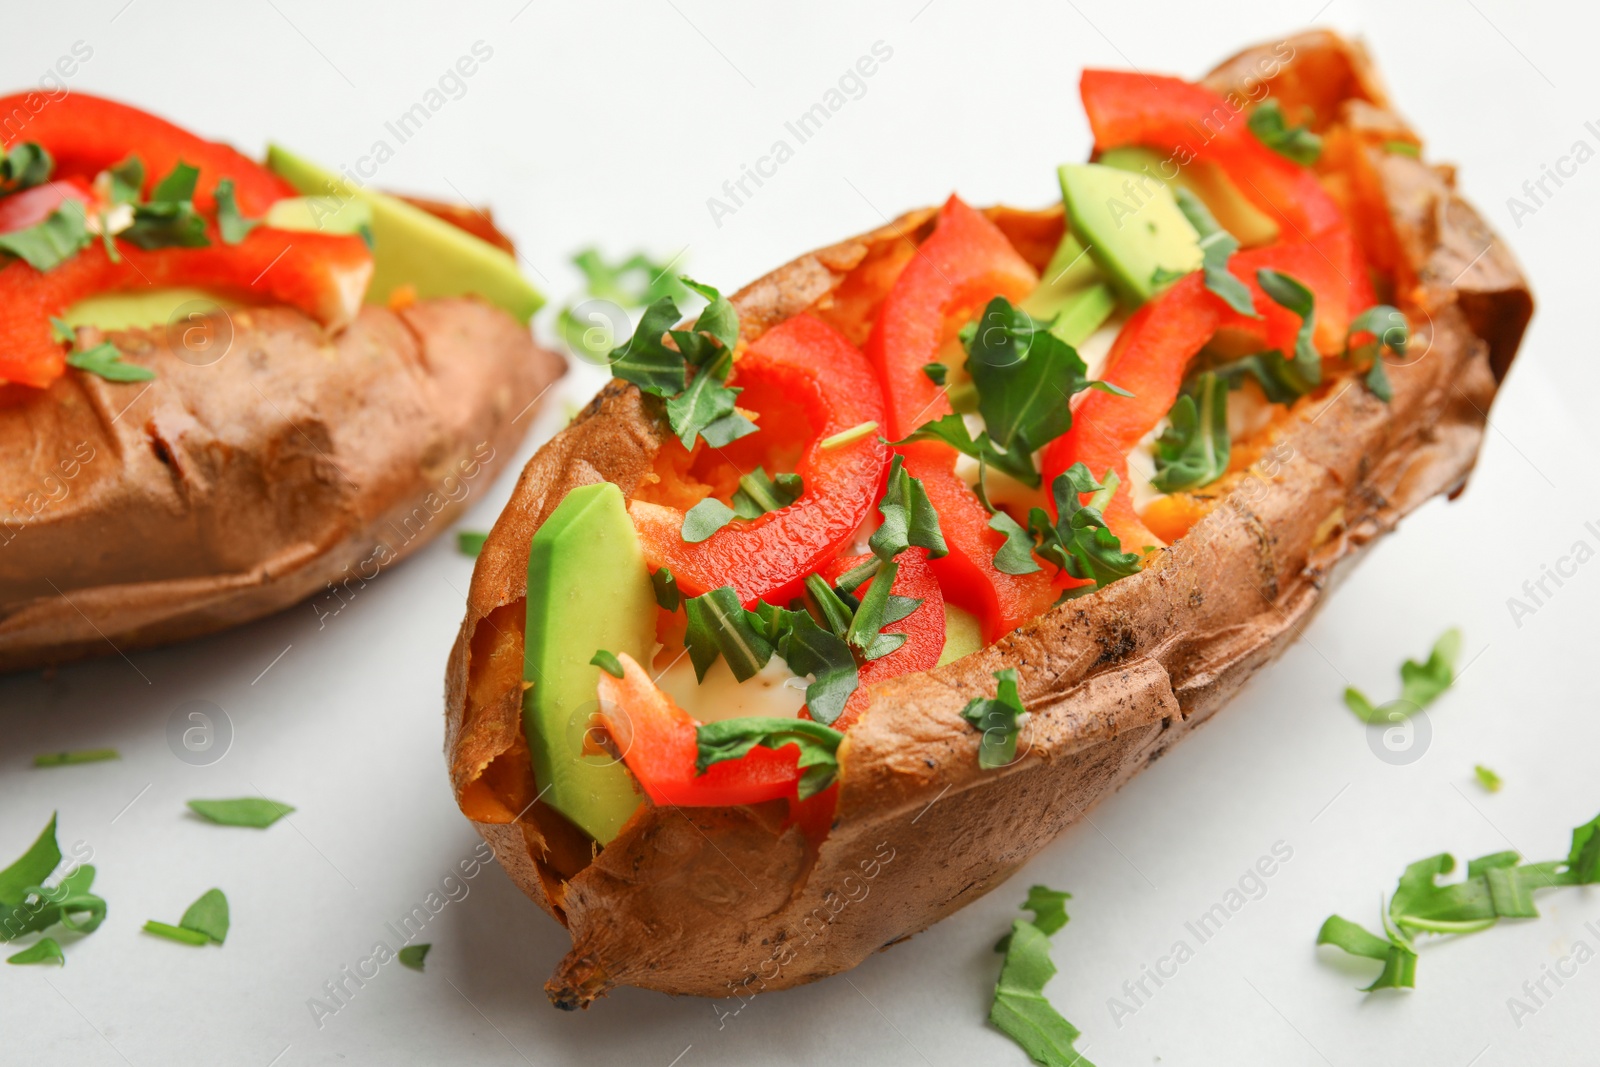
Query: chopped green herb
[
  {"x": 231, "y": 225},
  {"x": 629, "y": 283},
  {"x": 470, "y": 542},
  {"x": 937, "y": 373},
  {"x": 86, "y": 755},
  {"x": 1049, "y": 907},
  {"x": 48, "y": 244},
  {"x": 1420, "y": 684},
  {"x": 758, "y": 493},
  {"x": 105, "y": 361},
  {"x": 1025, "y": 378},
  {"x": 1403, "y": 148},
  {"x": 1193, "y": 450},
  {"x": 719, "y": 625},
  {"x": 808, "y": 649},
  {"x": 705, "y": 519},
  {"x": 24, "y": 166},
  {"x": 168, "y": 219},
  {"x": 30, "y": 869},
  {"x": 701, "y": 406},
  {"x": 1389, "y": 329},
  {"x": 1272, "y": 129},
  {"x": 255, "y": 812},
  {"x": 1216, "y": 247},
  {"x": 413, "y": 955},
  {"x": 848, "y": 437},
  {"x": 608, "y": 662},
  {"x": 1497, "y": 886},
  {"x": 666, "y": 587},
  {"x": 27, "y": 905},
  {"x": 1020, "y": 1009},
  {"x": 1015, "y": 555},
  {"x": 908, "y": 517},
  {"x": 175, "y": 933},
  {"x": 998, "y": 719},
  {"x": 44, "y": 950},
  {"x": 208, "y": 916},
  {"x": 1079, "y": 542},
  {"x": 835, "y": 612},
  {"x": 1287, "y": 292},
  {"x": 1487, "y": 778},
  {"x": 732, "y": 738},
  {"x": 865, "y": 633}
]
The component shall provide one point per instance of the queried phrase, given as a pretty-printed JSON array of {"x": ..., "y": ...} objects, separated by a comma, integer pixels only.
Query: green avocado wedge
[
  {"x": 412, "y": 247},
  {"x": 1135, "y": 235},
  {"x": 1232, "y": 209},
  {"x": 588, "y": 591}
]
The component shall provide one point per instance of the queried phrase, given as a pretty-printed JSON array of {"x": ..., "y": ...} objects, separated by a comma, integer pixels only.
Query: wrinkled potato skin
[
  {"x": 298, "y": 465},
  {"x": 725, "y": 903}
]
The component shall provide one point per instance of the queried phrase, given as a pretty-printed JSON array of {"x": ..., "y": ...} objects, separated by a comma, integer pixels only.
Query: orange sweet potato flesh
[{"x": 724, "y": 902}]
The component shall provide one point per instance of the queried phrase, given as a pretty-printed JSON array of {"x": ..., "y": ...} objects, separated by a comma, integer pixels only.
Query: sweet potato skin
[
  {"x": 135, "y": 514},
  {"x": 727, "y": 902}
]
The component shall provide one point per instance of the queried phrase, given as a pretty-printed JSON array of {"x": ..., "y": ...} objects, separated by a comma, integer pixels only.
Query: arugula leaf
[
  {"x": 1272, "y": 129},
  {"x": 44, "y": 950},
  {"x": 719, "y": 625},
  {"x": 808, "y": 649},
  {"x": 758, "y": 493},
  {"x": 666, "y": 586},
  {"x": 705, "y": 519},
  {"x": 952, "y": 430},
  {"x": 1015, "y": 556},
  {"x": 908, "y": 517},
  {"x": 168, "y": 219},
  {"x": 470, "y": 542},
  {"x": 632, "y": 282},
  {"x": 26, "y": 165},
  {"x": 413, "y": 955},
  {"x": 1193, "y": 450},
  {"x": 32, "y": 867},
  {"x": 48, "y": 244},
  {"x": 208, "y": 916},
  {"x": 1399, "y": 959},
  {"x": 1049, "y": 907},
  {"x": 231, "y": 224},
  {"x": 125, "y": 181},
  {"x": 998, "y": 719},
  {"x": 1079, "y": 541},
  {"x": 83, "y": 755},
  {"x": 1496, "y": 886},
  {"x": 1487, "y": 778},
  {"x": 1279, "y": 378},
  {"x": 1287, "y": 292},
  {"x": 835, "y": 611},
  {"x": 1389, "y": 329},
  {"x": 704, "y": 405},
  {"x": 865, "y": 632},
  {"x": 255, "y": 812},
  {"x": 1020, "y": 1009},
  {"x": 68, "y": 903},
  {"x": 1216, "y": 247},
  {"x": 105, "y": 360},
  {"x": 1420, "y": 683},
  {"x": 175, "y": 933},
  {"x": 732, "y": 738},
  {"x": 608, "y": 662}
]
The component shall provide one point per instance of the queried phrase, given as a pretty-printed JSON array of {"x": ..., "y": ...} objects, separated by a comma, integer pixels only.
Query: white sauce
[{"x": 775, "y": 692}]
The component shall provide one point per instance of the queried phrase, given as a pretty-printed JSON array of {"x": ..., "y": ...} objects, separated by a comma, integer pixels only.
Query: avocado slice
[
  {"x": 141, "y": 307},
  {"x": 1134, "y": 234},
  {"x": 413, "y": 247},
  {"x": 1071, "y": 292},
  {"x": 1231, "y": 208},
  {"x": 321, "y": 214},
  {"x": 963, "y": 634},
  {"x": 588, "y": 590}
]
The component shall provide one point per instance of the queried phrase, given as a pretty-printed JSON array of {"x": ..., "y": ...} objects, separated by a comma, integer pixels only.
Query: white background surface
[{"x": 613, "y": 123}]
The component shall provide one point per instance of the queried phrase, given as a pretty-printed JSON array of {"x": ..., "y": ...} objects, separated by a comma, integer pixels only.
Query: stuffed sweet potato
[
  {"x": 1308, "y": 391},
  {"x": 203, "y": 424}
]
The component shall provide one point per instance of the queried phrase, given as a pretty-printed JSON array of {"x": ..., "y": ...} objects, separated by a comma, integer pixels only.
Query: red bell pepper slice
[
  {"x": 769, "y": 557},
  {"x": 86, "y": 134},
  {"x": 321, "y": 274},
  {"x": 1152, "y": 354},
  {"x": 657, "y": 742},
  {"x": 1192, "y": 122},
  {"x": 924, "y": 628},
  {"x": 964, "y": 263}
]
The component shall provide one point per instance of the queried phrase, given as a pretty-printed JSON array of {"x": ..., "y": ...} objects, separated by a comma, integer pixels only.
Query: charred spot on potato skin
[{"x": 1117, "y": 644}]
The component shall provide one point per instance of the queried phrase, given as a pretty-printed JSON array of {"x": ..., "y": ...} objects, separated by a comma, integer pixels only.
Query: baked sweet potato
[
  {"x": 139, "y": 513},
  {"x": 718, "y": 902}
]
